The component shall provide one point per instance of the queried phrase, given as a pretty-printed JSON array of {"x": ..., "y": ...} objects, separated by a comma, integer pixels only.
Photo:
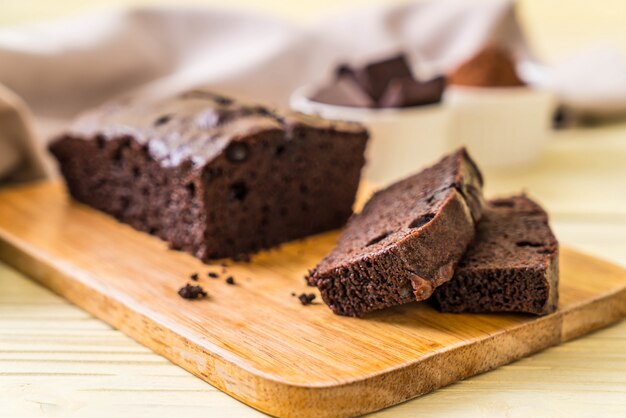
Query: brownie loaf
[
  {"x": 406, "y": 241},
  {"x": 511, "y": 267},
  {"x": 213, "y": 176}
]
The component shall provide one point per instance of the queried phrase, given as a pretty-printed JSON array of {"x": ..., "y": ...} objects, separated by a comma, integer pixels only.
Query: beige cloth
[
  {"x": 21, "y": 156},
  {"x": 61, "y": 68}
]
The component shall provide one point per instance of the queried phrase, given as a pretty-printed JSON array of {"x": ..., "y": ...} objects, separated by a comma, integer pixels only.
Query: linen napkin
[{"x": 21, "y": 157}]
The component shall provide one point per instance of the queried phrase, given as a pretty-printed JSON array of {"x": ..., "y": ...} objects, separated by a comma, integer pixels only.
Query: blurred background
[
  {"x": 554, "y": 27},
  {"x": 49, "y": 65}
]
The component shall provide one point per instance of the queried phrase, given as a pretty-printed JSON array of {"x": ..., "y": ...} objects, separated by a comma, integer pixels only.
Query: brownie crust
[
  {"x": 213, "y": 176},
  {"x": 406, "y": 242},
  {"x": 512, "y": 266}
]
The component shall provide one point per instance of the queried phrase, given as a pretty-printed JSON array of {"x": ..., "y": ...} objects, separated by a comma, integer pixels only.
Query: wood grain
[{"x": 254, "y": 340}]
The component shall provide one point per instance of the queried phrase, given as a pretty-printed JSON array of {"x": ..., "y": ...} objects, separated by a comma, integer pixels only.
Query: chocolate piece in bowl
[
  {"x": 490, "y": 67},
  {"x": 511, "y": 267},
  {"x": 213, "y": 176},
  {"x": 406, "y": 92},
  {"x": 374, "y": 77},
  {"x": 382, "y": 84},
  {"x": 485, "y": 92},
  {"x": 406, "y": 242},
  {"x": 343, "y": 91}
]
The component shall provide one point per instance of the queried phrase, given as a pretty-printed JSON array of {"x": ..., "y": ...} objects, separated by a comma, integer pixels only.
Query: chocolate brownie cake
[
  {"x": 406, "y": 241},
  {"x": 511, "y": 267},
  {"x": 213, "y": 176}
]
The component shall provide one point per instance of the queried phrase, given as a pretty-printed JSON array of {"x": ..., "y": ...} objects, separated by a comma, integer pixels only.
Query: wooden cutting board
[{"x": 254, "y": 340}]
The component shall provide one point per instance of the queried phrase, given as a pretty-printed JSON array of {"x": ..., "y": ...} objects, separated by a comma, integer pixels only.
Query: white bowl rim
[{"x": 497, "y": 91}]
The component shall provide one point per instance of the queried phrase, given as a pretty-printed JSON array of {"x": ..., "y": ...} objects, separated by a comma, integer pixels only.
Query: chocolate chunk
[
  {"x": 194, "y": 277},
  {"x": 343, "y": 91},
  {"x": 192, "y": 292},
  {"x": 213, "y": 275},
  {"x": 383, "y": 84},
  {"x": 375, "y": 77},
  {"x": 230, "y": 280},
  {"x": 405, "y": 92},
  {"x": 490, "y": 67},
  {"x": 306, "y": 298}
]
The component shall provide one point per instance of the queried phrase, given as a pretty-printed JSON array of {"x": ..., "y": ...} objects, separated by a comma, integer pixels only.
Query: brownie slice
[
  {"x": 213, "y": 176},
  {"x": 513, "y": 265},
  {"x": 406, "y": 241}
]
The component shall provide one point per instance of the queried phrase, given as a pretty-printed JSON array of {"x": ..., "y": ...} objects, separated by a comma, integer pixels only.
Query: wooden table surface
[{"x": 56, "y": 360}]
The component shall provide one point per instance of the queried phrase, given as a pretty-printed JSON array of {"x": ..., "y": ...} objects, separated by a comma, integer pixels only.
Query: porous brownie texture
[
  {"x": 213, "y": 176},
  {"x": 406, "y": 241},
  {"x": 513, "y": 266}
]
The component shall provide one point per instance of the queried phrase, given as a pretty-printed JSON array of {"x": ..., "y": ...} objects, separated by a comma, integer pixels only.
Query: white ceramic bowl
[
  {"x": 401, "y": 141},
  {"x": 501, "y": 127}
]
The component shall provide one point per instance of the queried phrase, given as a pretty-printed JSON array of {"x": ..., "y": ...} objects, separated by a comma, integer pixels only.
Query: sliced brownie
[
  {"x": 211, "y": 175},
  {"x": 406, "y": 241},
  {"x": 511, "y": 267}
]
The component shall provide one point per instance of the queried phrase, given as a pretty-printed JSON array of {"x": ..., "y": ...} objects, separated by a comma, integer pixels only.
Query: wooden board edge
[
  {"x": 341, "y": 400},
  {"x": 595, "y": 315}
]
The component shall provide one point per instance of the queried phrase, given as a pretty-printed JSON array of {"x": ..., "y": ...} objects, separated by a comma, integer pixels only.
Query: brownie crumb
[
  {"x": 230, "y": 280},
  {"x": 192, "y": 292},
  {"x": 293, "y": 293},
  {"x": 306, "y": 298},
  {"x": 194, "y": 277},
  {"x": 213, "y": 275}
]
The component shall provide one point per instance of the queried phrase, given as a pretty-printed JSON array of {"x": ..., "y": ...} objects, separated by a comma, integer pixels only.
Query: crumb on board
[
  {"x": 192, "y": 292},
  {"x": 306, "y": 298}
]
